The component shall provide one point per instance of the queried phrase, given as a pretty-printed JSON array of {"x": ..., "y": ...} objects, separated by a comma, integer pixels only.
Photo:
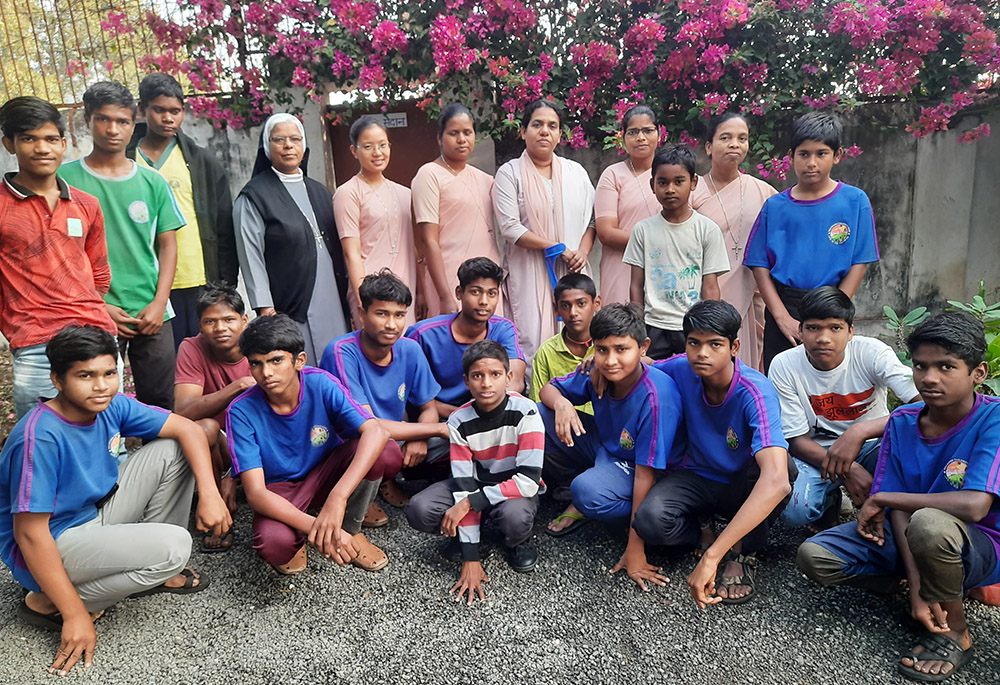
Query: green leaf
[
  {"x": 993, "y": 384},
  {"x": 915, "y": 316},
  {"x": 890, "y": 314}
]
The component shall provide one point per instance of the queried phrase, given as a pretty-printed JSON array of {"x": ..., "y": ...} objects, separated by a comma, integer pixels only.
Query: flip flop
[
  {"x": 52, "y": 621},
  {"x": 188, "y": 588},
  {"x": 205, "y": 549},
  {"x": 579, "y": 520},
  {"x": 936, "y": 648}
]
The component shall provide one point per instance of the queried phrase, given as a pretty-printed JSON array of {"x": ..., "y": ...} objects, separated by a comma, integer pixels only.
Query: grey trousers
[{"x": 139, "y": 538}]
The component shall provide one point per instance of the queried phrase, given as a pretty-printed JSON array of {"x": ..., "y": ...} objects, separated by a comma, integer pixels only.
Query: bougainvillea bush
[{"x": 687, "y": 59}]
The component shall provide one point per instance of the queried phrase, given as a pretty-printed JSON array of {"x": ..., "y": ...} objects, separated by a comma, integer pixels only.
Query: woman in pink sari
[
  {"x": 541, "y": 200},
  {"x": 624, "y": 198},
  {"x": 733, "y": 200},
  {"x": 453, "y": 211},
  {"x": 373, "y": 215}
]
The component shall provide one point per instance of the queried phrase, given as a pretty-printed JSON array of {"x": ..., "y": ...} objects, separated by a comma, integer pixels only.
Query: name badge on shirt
[{"x": 74, "y": 227}]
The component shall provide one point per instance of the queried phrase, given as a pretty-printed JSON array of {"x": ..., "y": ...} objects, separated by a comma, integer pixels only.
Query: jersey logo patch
[
  {"x": 954, "y": 471},
  {"x": 839, "y": 233},
  {"x": 138, "y": 212},
  {"x": 401, "y": 392},
  {"x": 625, "y": 441},
  {"x": 732, "y": 440},
  {"x": 318, "y": 435},
  {"x": 114, "y": 445}
]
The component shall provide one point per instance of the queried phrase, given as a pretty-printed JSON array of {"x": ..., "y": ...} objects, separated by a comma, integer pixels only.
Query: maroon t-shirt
[{"x": 196, "y": 365}]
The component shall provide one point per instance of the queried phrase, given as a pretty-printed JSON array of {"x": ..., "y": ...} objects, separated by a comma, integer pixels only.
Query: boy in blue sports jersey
[
  {"x": 445, "y": 338},
  {"x": 818, "y": 232},
  {"x": 933, "y": 517},
  {"x": 298, "y": 442},
  {"x": 385, "y": 373},
  {"x": 77, "y": 530},
  {"x": 617, "y": 451},
  {"x": 735, "y": 463}
]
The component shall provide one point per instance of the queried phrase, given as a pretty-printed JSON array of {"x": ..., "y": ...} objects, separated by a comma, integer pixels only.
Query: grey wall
[{"x": 936, "y": 201}]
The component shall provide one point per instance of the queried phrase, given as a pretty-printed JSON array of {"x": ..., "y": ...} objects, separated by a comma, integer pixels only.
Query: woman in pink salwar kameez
[
  {"x": 624, "y": 198},
  {"x": 733, "y": 200},
  {"x": 453, "y": 211}
]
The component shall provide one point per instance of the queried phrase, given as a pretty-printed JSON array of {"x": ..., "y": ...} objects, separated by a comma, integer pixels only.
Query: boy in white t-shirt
[
  {"x": 676, "y": 256},
  {"x": 832, "y": 389}
]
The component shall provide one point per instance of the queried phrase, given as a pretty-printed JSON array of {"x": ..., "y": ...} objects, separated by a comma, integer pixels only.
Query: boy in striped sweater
[{"x": 497, "y": 443}]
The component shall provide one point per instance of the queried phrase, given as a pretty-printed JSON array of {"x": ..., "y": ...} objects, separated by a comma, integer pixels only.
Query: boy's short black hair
[
  {"x": 78, "y": 344},
  {"x": 269, "y": 333},
  {"x": 679, "y": 155},
  {"x": 713, "y": 316},
  {"x": 476, "y": 268},
  {"x": 26, "y": 113},
  {"x": 218, "y": 293},
  {"x": 386, "y": 287},
  {"x": 819, "y": 126},
  {"x": 619, "y": 320},
  {"x": 826, "y": 302},
  {"x": 155, "y": 85},
  {"x": 575, "y": 282},
  {"x": 956, "y": 333},
  {"x": 484, "y": 349},
  {"x": 107, "y": 93}
]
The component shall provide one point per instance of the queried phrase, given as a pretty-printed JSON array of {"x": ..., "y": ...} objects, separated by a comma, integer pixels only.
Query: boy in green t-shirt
[{"x": 141, "y": 219}]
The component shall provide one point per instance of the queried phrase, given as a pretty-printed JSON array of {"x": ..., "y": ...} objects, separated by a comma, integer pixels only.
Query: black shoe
[
  {"x": 522, "y": 558},
  {"x": 452, "y": 551}
]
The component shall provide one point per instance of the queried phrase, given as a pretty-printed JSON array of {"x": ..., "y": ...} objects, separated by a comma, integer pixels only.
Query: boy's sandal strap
[{"x": 936, "y": 648}]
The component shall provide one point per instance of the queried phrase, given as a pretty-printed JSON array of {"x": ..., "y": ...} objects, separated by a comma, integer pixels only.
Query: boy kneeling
[
  {"x": 932, "y": 517},
  {"x": 496, "y": 467},
  {"x": 81, "y": 532},
  {"x": 287, "y": 441},
  {"x": 735, "y": 464}
]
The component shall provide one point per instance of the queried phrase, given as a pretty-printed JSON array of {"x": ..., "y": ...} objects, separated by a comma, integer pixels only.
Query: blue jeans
[
  {"x": 811, "y": 495},
  {"x": 31, "y": 378}
]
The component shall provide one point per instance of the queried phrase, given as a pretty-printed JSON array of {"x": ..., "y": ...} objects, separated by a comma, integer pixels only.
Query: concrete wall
[{"x": 936, "y": 201}]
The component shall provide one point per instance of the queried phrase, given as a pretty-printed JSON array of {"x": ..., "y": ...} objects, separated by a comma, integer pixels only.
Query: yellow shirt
[{"x": 190, "y": 259}]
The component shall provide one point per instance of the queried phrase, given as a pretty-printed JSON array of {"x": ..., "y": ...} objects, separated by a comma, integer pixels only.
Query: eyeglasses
[
  {"x": 381, "y": 147},
  {"x": 280, "y": 140},
  {"x": 634, "y": 132}
]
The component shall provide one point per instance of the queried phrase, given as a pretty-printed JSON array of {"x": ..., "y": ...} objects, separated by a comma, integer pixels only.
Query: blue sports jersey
[
  {"x": 722, "y": 439},
  {"x": 445, "y": 353},
  {"x": 967, "y": 457},
  {"x": 288, "y": 446},
  {"x": 386, "y": 389},
  {"x": 638, "y": 428},
  {"x": 53, "y": 465},
  {"x": 811, "y": 243}
]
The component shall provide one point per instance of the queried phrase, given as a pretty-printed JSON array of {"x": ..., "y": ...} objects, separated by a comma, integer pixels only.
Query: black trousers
[
  {"x": 664, "y": 344},
  {"x": 185, "y": 321},
  {"x": 152, "y": 358},
  {"x": 775, "y": 341}
]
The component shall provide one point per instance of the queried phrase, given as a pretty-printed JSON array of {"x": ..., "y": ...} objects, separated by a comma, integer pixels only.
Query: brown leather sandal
[
  {"x": 297, "y": 564},
  {"x": 393, "y": 494},
  {"x": 370, "y": 557},
  {"x": 375, "y": 517}
]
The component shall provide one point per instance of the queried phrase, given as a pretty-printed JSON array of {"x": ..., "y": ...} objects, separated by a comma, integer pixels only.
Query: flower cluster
[
  {"x": 641, "y": 41},
  {"x": 388, "y": 37},
  {"x": 775, "y": 167},
  {"x": 976, "y": 133},
  {"x": 865, "y": 21},
  {"x": 450, "y": 51}
]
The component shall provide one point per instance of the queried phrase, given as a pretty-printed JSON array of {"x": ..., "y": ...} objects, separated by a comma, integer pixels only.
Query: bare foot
[
  {"x": 707, "y": 539},
  {"x": 213, "y": 542},
  {"x": 937, "y": 666},
  {"x": 567, "y": 518},
  {"x": 228, "y": 491}
]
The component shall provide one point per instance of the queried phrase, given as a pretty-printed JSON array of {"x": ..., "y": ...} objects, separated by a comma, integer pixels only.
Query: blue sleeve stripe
[{"x": 27, "y": 461}]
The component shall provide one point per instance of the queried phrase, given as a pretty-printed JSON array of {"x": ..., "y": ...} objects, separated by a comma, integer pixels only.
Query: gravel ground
[{"x": 566, "y": 622}]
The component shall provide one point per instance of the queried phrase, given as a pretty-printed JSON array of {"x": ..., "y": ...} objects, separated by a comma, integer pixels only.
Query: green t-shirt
[{"x": 136, "y": 208}]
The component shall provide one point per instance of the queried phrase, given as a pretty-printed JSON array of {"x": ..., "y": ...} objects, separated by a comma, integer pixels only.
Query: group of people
[{"x": 702, "y": 382}]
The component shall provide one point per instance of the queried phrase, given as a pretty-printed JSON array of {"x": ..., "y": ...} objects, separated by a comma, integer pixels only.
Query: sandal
[
  {"x": 53, "y": 621},
  {"x": 297, "y": 564},
  {"x": 188, "y": 588},
  {"x": 579, "y": 520},
  {"x": 393, "y": 494},
  {"x": 375, "y": 517},
  {"x": 370, "y": 557},
  {"x": 936, "y": 648},
  {"x": 749, "y": 575}
]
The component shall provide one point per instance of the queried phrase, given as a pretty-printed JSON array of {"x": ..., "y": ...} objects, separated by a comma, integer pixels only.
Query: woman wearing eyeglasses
[
  {"x": 287, "y": 242},
  {"x": 373, "y": 215},
  {"x": 624, "y": 198}
]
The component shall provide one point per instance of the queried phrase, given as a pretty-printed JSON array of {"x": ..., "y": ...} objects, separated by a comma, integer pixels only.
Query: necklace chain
[
  {"x": 393, "y": 244},
  {"x": 736, "y": 236}
]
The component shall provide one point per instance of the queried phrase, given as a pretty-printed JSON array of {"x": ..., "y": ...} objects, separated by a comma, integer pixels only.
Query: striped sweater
[{"x": 495, "y": 456}]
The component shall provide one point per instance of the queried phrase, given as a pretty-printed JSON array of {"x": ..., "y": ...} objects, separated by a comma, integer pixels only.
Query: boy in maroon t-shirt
[{"x": 211, "y": 373}]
